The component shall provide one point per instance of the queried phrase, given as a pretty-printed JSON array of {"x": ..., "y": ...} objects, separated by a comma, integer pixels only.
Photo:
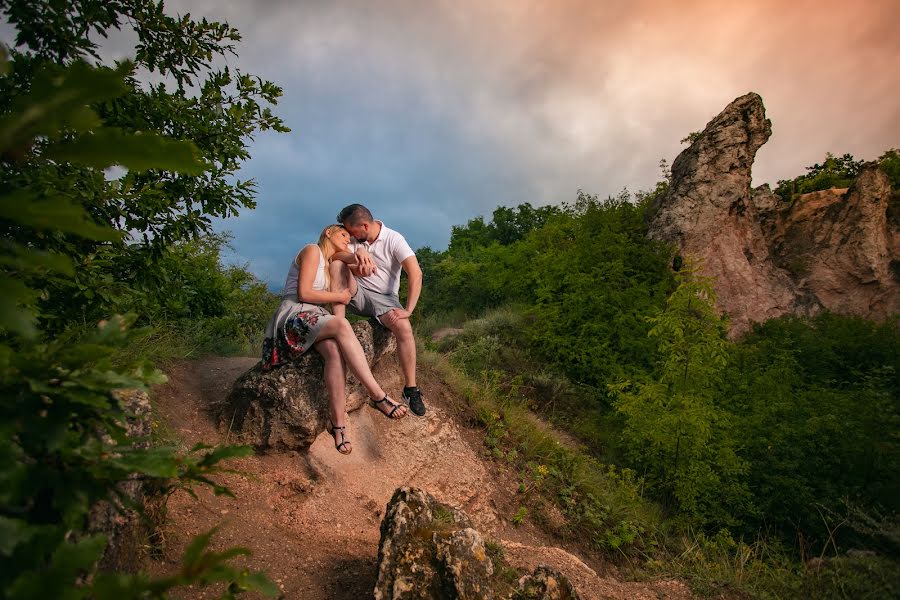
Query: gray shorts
[{"x": 372, "y": 304}]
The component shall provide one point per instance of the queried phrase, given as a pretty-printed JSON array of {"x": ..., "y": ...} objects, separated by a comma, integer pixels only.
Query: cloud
[{"x": 436, "y": 112}]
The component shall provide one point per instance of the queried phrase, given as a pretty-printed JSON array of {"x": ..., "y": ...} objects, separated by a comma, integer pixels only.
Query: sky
[{"x": 434, "y": 112}]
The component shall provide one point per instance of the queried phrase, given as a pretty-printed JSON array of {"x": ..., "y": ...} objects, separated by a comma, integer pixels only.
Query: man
[{"x": 375, "y": 287}]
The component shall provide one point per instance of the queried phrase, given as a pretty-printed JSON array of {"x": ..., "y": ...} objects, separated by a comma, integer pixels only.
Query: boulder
[
  {"x": 286, "y": 408},
  {"x": 831, "y": 250},
  {"x": 429, "y": 550}
]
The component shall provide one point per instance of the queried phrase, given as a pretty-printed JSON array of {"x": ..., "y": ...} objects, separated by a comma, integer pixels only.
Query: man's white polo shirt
[{"x": 389, "y": 250}]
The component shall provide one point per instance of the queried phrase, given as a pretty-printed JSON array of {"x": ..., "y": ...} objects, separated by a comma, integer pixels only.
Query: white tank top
[{"x": 290, "y": 285}]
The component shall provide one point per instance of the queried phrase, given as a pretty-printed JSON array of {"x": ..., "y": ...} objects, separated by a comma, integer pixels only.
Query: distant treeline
[{"x": 837, "y": 172}]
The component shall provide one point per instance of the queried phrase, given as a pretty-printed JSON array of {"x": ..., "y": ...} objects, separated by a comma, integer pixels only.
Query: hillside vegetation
[{"x": 782, "y": 444}]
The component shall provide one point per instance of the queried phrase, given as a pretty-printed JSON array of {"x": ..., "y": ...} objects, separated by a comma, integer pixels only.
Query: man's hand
[
  {"x": 365, "y": 265},
  {"x": 391, "y": 317}
]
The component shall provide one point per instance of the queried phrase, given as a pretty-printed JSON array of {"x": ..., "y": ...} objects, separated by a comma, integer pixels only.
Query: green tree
[
  {"x": 675, "y": 429},
  {"x": 63, "y": 442},
  {"x": 890, "y": 164},
  {"x": 816, "y": 402},
  {"x": 218, "y": 109},
  {"x": 594, "y": 277}
]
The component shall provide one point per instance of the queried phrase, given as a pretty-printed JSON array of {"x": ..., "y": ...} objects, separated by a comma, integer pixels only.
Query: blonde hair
[{"x": 327, "y": 250}]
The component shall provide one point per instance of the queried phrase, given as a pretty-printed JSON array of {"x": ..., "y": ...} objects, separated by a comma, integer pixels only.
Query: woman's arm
[
  {"x": 345, "y": 257},
  {"x": 309, "y": 262}
]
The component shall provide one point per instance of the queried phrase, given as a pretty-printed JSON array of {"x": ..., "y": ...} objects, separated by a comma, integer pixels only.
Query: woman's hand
[{"x": 343, "y": 297}]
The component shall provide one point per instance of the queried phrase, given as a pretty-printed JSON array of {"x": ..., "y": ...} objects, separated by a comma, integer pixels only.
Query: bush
[{"x": 833, "y": 173}]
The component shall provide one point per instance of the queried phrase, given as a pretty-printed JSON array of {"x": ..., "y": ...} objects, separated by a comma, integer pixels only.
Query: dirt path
[{"x": 312, "y": 521}]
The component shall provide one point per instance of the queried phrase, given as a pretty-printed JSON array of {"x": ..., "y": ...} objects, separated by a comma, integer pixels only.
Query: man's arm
[
  {"x": 414, "y": 289},
  {"x": 414, "y": 273},
  {"x": 364, "y": 266}
]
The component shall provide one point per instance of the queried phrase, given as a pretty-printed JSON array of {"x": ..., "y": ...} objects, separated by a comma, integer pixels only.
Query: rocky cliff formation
[
  {"x": 286, "y": 408},
  {"x": 835, "y": 250}
]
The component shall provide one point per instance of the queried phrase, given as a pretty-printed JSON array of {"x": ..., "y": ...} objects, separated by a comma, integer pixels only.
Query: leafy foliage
[
  {"x": 675, "y": 431},
  {"x": 786, "y": 436},
  {"x": 64, "y": 445},
  {"x": 587, "y": 270},
  {"x": 817, "y": 403},
  {"x": 834, "y": 172},
  {"x": 218, "y": 110}
]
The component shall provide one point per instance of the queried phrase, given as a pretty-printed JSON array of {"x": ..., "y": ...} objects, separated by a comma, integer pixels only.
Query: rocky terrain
[
  {"x": 836, "y": 250},
  {"x": 314, "y": 519}
]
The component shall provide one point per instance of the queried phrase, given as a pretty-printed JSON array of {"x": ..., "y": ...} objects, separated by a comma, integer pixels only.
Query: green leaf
[
  {"x": 120, "y": 586},
  {"x": 15, "y": 318},
  {"x": 195, "y": 550},
  {"x": 55, "y": 213},
  {"x": 261, "y": 583},
  {"x": 225, "y": 452},
  {"x": 12, "y": 533},
  {"x": 156, "y": 462},
  {"x": 70, "y": 560},
  {"x": 27, "y": 260},
  {"x": 138, "y": 152},
  {"x": 58, "y": 100}
]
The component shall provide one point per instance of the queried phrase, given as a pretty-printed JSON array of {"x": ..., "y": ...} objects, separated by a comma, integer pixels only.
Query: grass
[
  {"x": 184, "y": 339},
  {"x": 603, "y": 505}
]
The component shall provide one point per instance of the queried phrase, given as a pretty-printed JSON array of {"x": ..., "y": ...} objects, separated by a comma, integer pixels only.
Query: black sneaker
[{"x": 413, "y": 396}]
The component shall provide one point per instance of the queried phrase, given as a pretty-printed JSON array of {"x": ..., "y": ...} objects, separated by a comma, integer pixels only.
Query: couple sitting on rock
[{"x": 361, "y": 272}]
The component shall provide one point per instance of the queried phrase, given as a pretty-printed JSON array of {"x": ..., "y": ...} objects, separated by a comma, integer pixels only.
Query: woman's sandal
[
  {"x": 389, "y": 415},
  {"x": 342, "y": 447}
]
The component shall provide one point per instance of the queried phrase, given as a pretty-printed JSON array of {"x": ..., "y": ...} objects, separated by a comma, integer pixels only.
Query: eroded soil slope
[{"x": 312, "y": 521}]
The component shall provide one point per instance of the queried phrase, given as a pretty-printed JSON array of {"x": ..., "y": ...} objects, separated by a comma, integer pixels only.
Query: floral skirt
[{"x": 292, "y": 331}]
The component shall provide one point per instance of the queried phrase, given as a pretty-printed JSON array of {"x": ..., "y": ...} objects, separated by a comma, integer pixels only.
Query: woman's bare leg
[
  {"x": 335, "y": 379},
  {"x": 354, "y": 357},
  {"x": 341, "y": 279}
]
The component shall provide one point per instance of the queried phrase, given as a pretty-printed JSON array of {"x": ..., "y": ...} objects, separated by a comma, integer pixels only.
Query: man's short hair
[{"x": 355, "y": 214}]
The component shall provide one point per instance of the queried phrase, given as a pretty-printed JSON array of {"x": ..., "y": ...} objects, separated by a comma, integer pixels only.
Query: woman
[{"x": 302, "y": 322}]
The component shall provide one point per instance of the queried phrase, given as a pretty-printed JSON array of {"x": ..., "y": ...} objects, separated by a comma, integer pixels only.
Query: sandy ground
[{"x": 312, "y": 520}]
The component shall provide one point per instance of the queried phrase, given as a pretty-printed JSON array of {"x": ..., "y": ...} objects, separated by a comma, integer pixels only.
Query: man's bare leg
[{"x": 406, "y": 349}]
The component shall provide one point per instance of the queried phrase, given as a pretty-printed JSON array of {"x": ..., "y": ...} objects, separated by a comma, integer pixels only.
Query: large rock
[
  {"x": 286, "y": 408},
  {"x": 429, "y": 550},
  {"x": 769, "y": 258}
]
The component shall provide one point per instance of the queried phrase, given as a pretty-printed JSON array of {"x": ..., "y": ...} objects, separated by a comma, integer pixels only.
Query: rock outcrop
[
  {"x": 286, "y": 408},
  {"x": 429, "y": 550},
  {"x": 829, "y": 250},
  {"x": 839, "y": 247}
]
